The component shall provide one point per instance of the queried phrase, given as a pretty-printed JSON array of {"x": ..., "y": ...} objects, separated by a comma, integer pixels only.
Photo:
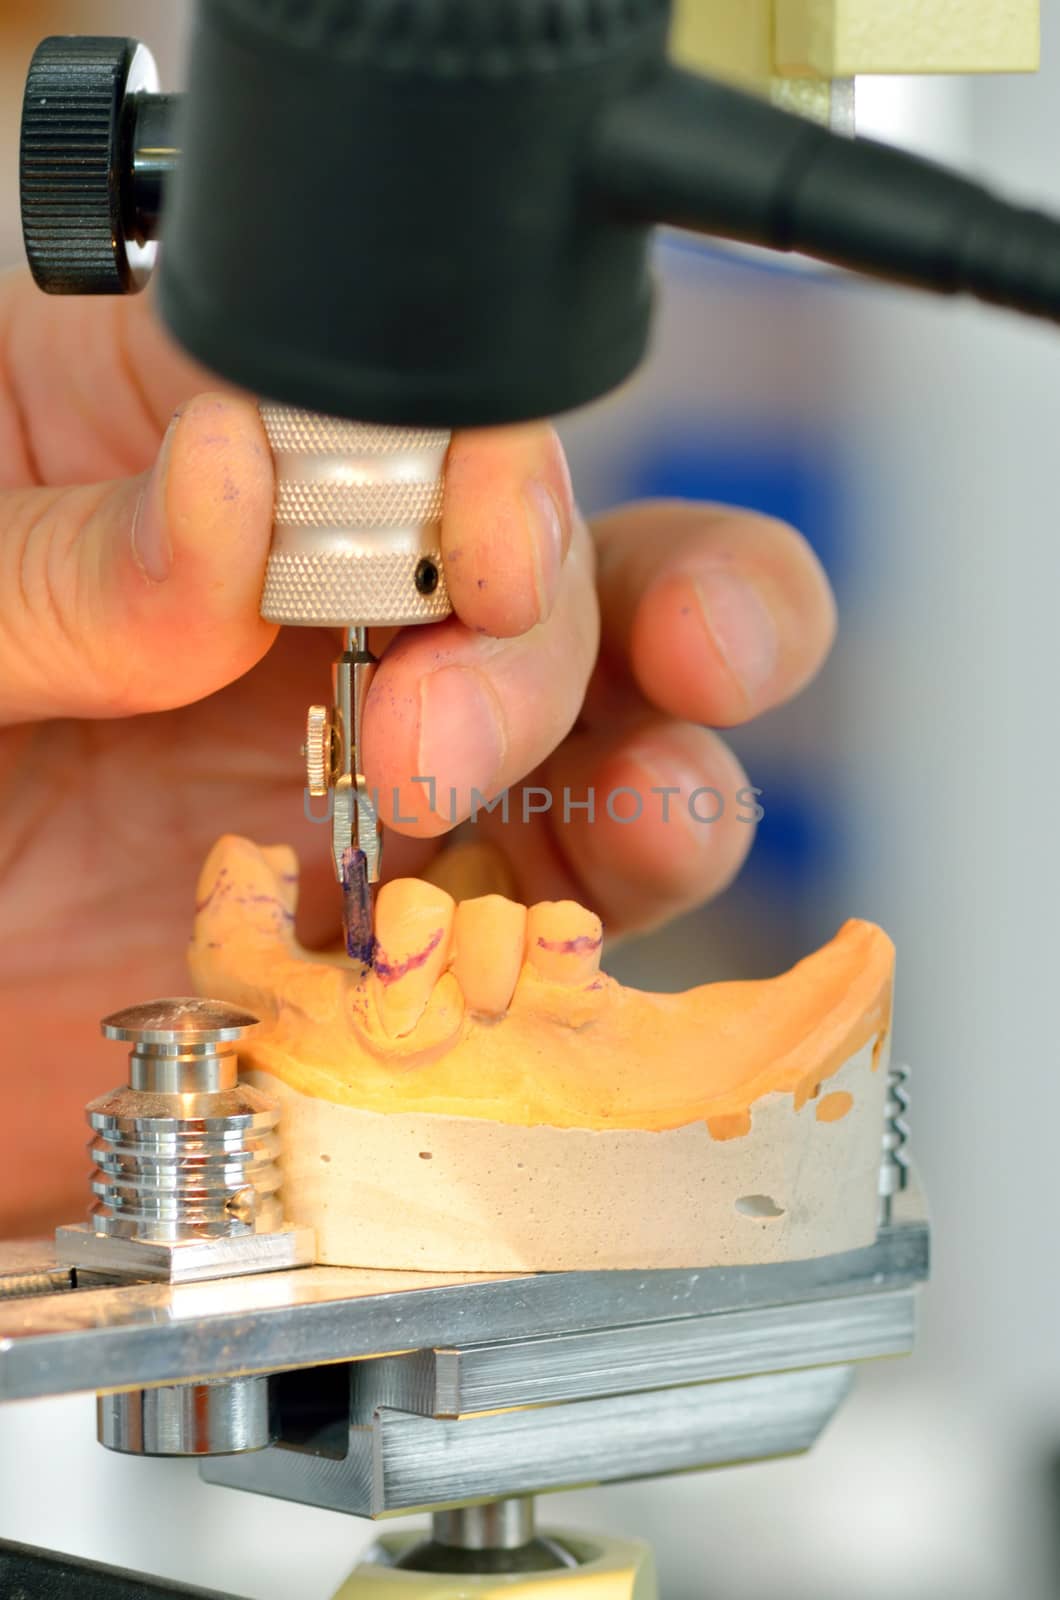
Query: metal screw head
[{"x": 186, "y": 1020}]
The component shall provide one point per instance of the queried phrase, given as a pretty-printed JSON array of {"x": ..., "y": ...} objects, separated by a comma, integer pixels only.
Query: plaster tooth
[
  {"x": 283, "y": 865},
  {"x": 247, "y": 894},
  {"x": 563, "y": 942},
  {"x": 413, "y": 927},
  {"x": 489, "y": 941}
]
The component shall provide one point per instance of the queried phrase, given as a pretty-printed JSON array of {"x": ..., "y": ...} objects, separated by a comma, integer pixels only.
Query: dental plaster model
[{"x": 484, "y": 1099}]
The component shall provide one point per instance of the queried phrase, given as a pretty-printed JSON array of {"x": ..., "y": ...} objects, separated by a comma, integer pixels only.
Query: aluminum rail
[{"x": 134, "y": 1335}]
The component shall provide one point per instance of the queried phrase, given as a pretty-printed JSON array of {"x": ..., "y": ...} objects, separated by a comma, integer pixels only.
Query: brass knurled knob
[{"x": 317, "y": 750}]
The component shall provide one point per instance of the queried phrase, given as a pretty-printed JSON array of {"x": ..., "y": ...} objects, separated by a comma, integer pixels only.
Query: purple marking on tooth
[
  {"x": 357, "y": 907},
  {"x": 570, "y": 947},
  {"x": 389, "y": 971},
  {"x": 218, "y": 886}
]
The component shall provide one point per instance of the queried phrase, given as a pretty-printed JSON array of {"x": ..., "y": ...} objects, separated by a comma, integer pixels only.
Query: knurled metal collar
[
  {"x": 302, "y": 432},
  {"x": 70, "y": 167}
]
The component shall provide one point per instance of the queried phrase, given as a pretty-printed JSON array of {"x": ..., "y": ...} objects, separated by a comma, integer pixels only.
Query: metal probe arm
[
  {"x": 356, "y": 545},
  {"x": 335, "y": 764}
]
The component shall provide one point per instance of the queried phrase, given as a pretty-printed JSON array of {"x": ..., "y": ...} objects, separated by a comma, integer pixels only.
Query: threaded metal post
[
  {"x": 184, "y": 1152},
  {"x": 894, "y": 1168},
  {"x": 185, "y": 1163}
]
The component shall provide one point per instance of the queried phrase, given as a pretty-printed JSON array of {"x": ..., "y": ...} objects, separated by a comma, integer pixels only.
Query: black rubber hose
[{"x": 698, "y": 154}]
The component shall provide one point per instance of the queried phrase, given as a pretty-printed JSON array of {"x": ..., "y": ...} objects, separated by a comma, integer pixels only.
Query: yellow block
[
  {"x": 612, "y": 1569},
  {"x": 840, "y": 38},
  {"x": 387, "y": 1584},
  {"x": 733, "y": 40},
  {"x": 725, "y": 39}
]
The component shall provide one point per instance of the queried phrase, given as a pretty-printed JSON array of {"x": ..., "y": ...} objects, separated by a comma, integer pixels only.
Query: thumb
[{"x": 142, "y": 594}]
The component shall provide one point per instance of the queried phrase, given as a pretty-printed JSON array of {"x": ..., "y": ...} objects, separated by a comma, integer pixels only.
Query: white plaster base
[{"x": 458, "y": 1194}]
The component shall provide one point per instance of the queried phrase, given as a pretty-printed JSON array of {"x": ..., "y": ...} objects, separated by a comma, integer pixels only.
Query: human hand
[{"x": 145, "y": 707}]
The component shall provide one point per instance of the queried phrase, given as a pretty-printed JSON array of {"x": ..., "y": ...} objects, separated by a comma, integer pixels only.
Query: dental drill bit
[{"x": 356, "y": 544}]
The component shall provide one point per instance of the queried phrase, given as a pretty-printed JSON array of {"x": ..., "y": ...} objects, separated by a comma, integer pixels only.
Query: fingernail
[
  {"x": 462, "y": 740},
  {"x": 546, "y": 543},
  {"x": 150, "y": 531},
  {"x": 741, "y": 626}
]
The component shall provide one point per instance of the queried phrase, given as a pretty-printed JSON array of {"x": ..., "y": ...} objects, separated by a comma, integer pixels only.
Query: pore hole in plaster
[{"x": 759, "y": 1205}]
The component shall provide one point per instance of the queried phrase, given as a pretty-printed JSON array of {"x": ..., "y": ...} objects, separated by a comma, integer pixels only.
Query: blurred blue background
[{"x": 914, "y": 443}]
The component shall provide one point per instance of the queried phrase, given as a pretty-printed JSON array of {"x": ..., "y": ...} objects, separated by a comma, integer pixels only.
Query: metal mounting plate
[
  {"x": 131, "y": 1335},
  {"x": 406, "y": 1463},
  {"x": 648, "y": 1356},
  {"x": 449, "y": 1426},
  {"x": 184, "y": 1260}
]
